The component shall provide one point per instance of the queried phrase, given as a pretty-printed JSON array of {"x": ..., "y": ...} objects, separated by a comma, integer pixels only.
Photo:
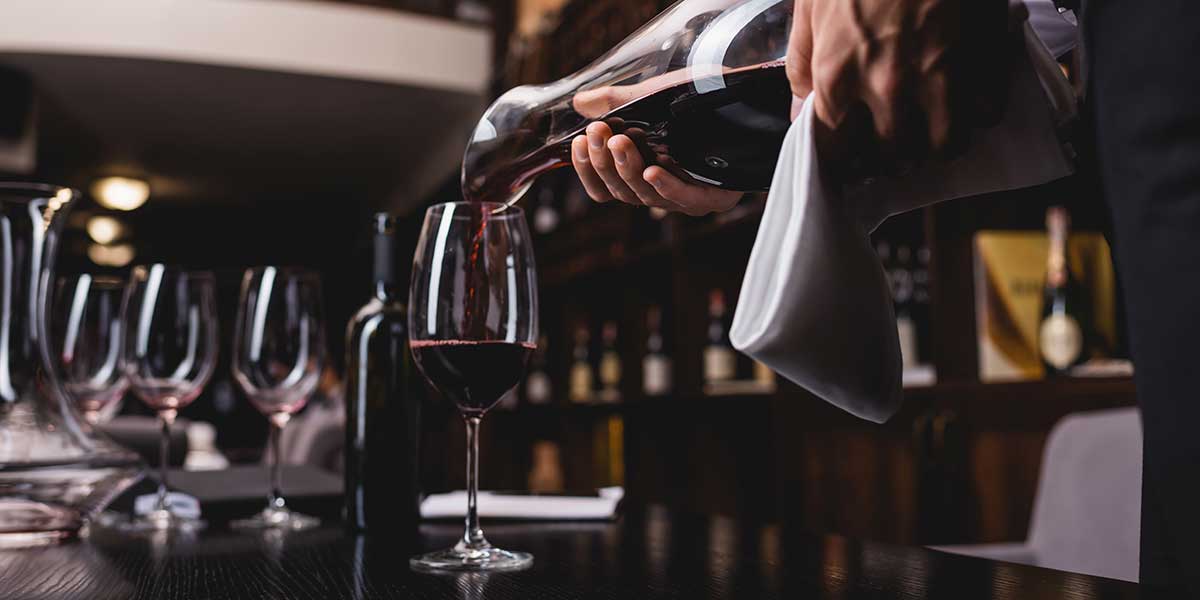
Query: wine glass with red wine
[
  {"x": 278, "y": 355},
  {"x": 170, "y": 351},
  {"x": 472, "y": 326}
]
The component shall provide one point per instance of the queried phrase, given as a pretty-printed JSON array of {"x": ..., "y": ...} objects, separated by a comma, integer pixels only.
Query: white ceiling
[{"x": 249, "y": 100}]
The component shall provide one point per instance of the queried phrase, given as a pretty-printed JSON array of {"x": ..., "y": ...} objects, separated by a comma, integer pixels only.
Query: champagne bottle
[
  {"x": 1061, "y": 335},
  {"x": 383, "y": 404}
]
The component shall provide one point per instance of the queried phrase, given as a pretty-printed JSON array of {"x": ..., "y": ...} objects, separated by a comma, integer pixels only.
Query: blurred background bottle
[{"x": 656, "y": 365}]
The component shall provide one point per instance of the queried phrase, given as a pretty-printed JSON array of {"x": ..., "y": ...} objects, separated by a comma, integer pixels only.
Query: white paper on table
[
  {"x": 515, "y": 506},
  {"x": 815, "y": 305}
]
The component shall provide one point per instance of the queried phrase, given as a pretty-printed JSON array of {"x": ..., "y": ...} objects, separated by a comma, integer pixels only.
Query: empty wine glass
[
  {"x": 278, "y": 354},
  {"x": 170, "y": 351},
  {"x": 86, "y": 332},
  {"x": 472, "y": 326}
]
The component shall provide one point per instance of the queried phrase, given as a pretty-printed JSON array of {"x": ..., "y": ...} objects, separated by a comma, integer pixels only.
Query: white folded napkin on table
[
  {"x": 815, "y": 305},
  {"x": 520, "y": 506}
]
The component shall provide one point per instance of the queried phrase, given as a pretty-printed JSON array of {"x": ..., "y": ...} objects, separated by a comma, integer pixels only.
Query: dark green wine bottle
[{"x": 383, "y": 404}]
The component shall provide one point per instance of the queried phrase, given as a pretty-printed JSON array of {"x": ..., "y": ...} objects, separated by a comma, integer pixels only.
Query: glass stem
[
  {"x": 473, "y": 536},
  {"x": 165, "y": 417},
  {"x": 275, "y": 500}
]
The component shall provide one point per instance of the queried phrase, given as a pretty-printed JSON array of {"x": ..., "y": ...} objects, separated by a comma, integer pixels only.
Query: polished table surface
[{"x": 647, "y": 553}]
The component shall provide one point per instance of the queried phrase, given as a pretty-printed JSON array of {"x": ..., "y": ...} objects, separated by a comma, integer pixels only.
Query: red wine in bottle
[
  {"x": 472, "y": 374},
  {"x": 727, "y": 136},
  {"x": 383, "y": 405}
]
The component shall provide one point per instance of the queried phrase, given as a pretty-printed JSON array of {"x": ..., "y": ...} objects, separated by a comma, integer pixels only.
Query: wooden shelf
[
  {"x": 1025, "y": 391},
  {"x": 1010, "y": 403},
  {"x": 565, "y": 409}
]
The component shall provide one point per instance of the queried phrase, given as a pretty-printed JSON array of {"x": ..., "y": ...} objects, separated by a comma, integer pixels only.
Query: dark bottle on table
[
  {"x": 383, "y": 403},
  {"x": 1062, "y": 334}
]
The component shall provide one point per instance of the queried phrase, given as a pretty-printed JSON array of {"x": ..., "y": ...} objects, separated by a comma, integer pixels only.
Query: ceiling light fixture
[
  {"x": 120, "y": 193},
  {"x": 119, "y": 255},
  {"x": 104, "y": 229}
]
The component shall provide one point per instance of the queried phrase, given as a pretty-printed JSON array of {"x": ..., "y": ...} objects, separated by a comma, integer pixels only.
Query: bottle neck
[
  {"x": 1056, "y": 261},
  {"x": 385, "y": 291},
  {"x": 384, "y": 271}
]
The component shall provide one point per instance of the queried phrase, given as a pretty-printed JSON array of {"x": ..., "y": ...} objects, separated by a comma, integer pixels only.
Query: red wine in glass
[
  {"x": 472, "y": 325},
  {"x": 472, "y": 374}
]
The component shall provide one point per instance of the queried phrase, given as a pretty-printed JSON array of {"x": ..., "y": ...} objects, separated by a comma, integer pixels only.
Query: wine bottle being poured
[{"x": 701, "y": 90}]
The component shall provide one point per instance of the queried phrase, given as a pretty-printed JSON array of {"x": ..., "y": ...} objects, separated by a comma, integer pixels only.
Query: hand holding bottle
[
  {"x": 896, "y": 81},
  {"x": 611, "y": 166}
]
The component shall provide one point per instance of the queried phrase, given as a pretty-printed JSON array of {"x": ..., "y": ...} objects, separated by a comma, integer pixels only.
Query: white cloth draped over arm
[{"x": 815, "y": 305}]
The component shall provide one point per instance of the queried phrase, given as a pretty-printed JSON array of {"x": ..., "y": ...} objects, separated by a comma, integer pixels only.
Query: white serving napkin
[
  {"x": 522, "y": 506},
  {"x": 815, "y": 305}
]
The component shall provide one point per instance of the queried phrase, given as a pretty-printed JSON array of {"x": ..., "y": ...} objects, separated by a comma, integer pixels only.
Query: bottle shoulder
[
  {"x": 376, "y": 306},
  {"x": 376, "y": 311}
]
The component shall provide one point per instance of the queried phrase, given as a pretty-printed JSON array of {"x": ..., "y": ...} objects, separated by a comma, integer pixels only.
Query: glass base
[
  {"x": 277, "y": 518},
  {"x": 461, "y": 558},
  {"x": 28, "y": 539},
  {"x": 158, "y": 520}
]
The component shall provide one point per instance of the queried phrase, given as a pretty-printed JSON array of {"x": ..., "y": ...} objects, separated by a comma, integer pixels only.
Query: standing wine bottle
[
  {"x": 610, "y": 365},
  {"x": 579, "y": 386},
  {"x": 383, "y": 404},
  {"x": 1061, "y": 336},
  {"x": 656, "y": 364},
  {"x": 545, "y": 215},
  {"x": 920, "y": 303},
  {"x": 901, "y": 278},
  {"x": 538, "y": 387},
  {"x": 720, "y": 361}
]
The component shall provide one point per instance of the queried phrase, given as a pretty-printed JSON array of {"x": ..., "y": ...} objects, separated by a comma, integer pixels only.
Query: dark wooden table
[{"x": 648, "y": 553}]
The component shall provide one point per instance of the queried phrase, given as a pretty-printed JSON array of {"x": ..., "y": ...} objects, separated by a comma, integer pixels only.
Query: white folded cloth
[
  {"x": 513, "y": 506},
  {"x": 815, "y": 305},
  {"x": 178, "y": 503}
]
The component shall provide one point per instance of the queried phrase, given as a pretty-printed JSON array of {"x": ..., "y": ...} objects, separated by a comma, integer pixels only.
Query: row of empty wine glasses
[
  {"x": 157, "y": 335},
  {"x": 472, "y": 324}
]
